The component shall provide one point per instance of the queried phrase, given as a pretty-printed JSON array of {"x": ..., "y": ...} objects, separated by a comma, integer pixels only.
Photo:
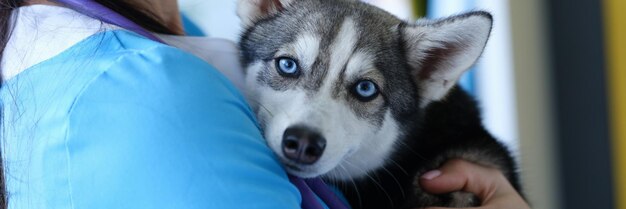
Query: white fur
[
  {"x": 305, "y": 48},
  {"x": 280, "y": 110},
  {"x": 341, "y": 49},
  {"x": 360, "y": 64},
  {"x": 467, "y": 34},
  {"x": 373, "y": 151},
  {"x": 252, "y": 88}
]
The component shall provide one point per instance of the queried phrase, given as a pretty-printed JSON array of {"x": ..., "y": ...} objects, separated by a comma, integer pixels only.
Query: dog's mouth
[
  {"x": 291, "y": 166},
  {"x": 309, "y": 170},
  {"x": 300, "y": 170},
  {"x": 304, "y": 171}
]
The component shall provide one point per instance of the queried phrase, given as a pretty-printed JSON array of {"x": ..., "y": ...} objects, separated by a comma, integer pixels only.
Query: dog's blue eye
[
  {"x": 365, "y": 90},
  {"x": 287, "y": 67}
]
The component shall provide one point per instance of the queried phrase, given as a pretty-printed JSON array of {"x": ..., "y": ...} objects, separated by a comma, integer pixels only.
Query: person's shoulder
[
  {"x": 123, "y": 44},
  {"x": 112, "y": 45},
  {"x": 158, "y": 83},
  {"x": 139, "y": 73},
  {"x": 141, "y": 60}
]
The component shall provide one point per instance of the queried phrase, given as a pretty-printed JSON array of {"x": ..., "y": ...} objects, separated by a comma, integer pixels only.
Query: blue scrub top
[{"x": 119, "y": 121}]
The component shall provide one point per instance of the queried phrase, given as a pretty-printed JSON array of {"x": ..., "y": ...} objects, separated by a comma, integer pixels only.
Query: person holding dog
[{"x": 96, "y": 115}]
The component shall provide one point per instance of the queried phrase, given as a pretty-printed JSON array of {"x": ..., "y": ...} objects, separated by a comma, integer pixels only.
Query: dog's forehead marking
[
  {"x": 359, "y": 62},
  {"x": 306, "y": 47},
  {"x": 341, "y": 51},
  {"x": 362, "y": 66}
]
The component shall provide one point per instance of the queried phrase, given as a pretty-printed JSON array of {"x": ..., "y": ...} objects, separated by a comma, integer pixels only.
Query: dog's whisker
[
  {"x": 396, "y": 180},
  {"x": 409, "y": 148},
  {"x": 399, "y": 166},
  {"x": 356, "y": 188},
  {"x": 375, "y": 182}
]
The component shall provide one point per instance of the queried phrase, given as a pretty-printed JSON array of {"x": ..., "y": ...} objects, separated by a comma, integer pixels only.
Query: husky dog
[{"x": 346, "y": 91}]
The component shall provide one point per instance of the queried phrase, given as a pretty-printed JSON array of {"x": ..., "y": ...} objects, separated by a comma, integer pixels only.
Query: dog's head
[{"x": 333, "y": 80}]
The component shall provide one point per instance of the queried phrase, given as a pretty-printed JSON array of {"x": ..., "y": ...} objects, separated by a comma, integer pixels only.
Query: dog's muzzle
[{"x": 303, "y": 145}]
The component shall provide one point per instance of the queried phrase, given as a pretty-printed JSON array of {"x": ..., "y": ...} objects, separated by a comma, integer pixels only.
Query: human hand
[{"x": 488, "y": 184}]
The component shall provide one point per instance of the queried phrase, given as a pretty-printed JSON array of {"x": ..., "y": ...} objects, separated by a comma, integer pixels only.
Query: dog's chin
[
  {"x": 302, "y": 171},
  {"x": 317, "y": 169}
]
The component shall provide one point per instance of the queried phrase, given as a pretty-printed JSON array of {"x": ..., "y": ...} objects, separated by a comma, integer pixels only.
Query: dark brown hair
[
  {"x": 142, "y": 17},
  {"x": 6, "y": 7}
]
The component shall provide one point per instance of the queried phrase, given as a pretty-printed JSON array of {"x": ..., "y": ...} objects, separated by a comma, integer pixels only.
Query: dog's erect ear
[
  {"x": 440, "y": 51},
  {"x": 251, "y": 11}
]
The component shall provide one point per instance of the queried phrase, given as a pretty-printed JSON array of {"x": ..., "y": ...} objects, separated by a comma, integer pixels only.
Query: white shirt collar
[{"x": 41, "y": 32}]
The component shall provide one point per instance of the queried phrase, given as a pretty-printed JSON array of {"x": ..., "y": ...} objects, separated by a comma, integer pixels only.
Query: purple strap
[
  {"x": 326, "y": 194},
  {"x": 308, "y": 197},
  {"x": 308, "y": 188},
  {"x": 95, "y": 10}
]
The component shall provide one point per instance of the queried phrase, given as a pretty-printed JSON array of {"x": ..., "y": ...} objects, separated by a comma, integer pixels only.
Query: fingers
[
  {"x": 459, "y": 175},
  {"x": 488, "y": 184}
]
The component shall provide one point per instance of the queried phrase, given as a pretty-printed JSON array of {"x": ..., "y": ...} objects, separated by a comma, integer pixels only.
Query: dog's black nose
[{"x": 303, "y": 145}]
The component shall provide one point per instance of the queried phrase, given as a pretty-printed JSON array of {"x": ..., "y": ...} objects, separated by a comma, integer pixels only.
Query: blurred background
[{"x": 551, "y": 84}]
